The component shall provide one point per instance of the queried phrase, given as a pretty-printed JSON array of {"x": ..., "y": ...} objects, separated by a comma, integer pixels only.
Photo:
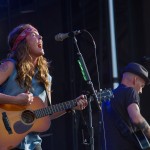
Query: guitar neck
[
  {"x": 106, "y": 94},
  {"x": 55, "y": 108}
]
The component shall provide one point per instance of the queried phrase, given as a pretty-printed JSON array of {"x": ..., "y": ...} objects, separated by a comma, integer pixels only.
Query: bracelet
[{"x": 68, "y": 110}]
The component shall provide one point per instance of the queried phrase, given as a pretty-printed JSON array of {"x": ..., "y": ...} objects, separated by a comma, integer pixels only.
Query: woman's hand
[
  {"x": 24, "y": 98},
  {"x": 81, "y": 102}
]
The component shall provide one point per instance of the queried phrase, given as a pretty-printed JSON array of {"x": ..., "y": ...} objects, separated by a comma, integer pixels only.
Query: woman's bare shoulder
[{"x": 6, "y": 66}]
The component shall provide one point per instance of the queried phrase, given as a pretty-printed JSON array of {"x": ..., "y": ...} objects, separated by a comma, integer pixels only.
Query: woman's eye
[{"x": 33, "y": 34}]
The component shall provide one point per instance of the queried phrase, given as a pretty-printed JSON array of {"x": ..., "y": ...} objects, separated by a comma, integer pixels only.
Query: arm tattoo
[
  {"x": 3, "y": 67},
  {"x": 144, "y": 126}
]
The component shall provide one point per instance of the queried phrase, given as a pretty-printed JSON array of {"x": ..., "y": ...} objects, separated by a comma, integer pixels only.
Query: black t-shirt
[{"x": 112, "y": 138}]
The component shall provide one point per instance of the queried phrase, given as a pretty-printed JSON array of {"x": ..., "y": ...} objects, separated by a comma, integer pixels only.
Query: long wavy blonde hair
[{"x": 24, "y": 65}]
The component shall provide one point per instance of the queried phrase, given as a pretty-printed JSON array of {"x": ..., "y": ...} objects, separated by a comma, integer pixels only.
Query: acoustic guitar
[
  {"x": 141, "y": 140},
  {"x": 18, "y": 121}
]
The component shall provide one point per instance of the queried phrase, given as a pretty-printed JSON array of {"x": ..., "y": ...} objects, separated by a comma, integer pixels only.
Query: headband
[{"x": 22, "y": 36}]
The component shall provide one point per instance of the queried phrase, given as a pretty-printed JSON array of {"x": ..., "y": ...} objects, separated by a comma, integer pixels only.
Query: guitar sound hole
[{"x": 27, "y": 116}]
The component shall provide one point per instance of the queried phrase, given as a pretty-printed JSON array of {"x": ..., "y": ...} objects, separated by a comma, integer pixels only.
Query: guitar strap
[
  {"x": 119, "y": 122},
  {"x": 121, "y": 125},
  {"x": 48, "y": 97}
]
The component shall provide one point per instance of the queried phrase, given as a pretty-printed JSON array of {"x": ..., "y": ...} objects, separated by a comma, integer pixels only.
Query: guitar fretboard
[
  {"x": 106, "y": 94},
  {"x": 55, "y": 108}
]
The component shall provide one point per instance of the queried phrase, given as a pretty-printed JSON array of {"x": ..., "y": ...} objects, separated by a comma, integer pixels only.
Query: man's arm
[{"x": 137, "y": 119}]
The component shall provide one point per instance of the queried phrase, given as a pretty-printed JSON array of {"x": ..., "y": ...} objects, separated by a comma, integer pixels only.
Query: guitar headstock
[{"x": 106, "y": 94}]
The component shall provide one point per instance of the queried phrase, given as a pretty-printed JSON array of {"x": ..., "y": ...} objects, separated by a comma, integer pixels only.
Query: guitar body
[
  {"x": 141, "y": 140},
  {"x": 21, "y": 121}
]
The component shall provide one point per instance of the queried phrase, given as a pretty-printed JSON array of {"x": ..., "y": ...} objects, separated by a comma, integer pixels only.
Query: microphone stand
[{"x": 87, "y": 78}]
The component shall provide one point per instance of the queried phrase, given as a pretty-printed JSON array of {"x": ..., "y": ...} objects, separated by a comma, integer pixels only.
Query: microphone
[{"x": 63, "y": 36}]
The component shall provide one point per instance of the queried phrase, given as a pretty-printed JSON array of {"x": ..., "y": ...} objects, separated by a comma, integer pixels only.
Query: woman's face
[{"x": 35, "y": 44}]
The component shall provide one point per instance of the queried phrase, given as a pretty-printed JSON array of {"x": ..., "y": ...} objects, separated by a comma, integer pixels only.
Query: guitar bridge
[{"x": 6, "y": 122}]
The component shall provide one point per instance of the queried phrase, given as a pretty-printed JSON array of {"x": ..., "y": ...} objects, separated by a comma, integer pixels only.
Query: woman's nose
[{"x": 40, "y": 37}]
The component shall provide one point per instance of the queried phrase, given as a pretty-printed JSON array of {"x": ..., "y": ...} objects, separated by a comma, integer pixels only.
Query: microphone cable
[
  {"x": 98, "y": 79},
  {"x": 101, "y": 122}
]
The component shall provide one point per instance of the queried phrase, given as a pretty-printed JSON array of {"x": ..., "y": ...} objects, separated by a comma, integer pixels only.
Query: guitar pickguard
[{"x": 21, "y": 128}]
